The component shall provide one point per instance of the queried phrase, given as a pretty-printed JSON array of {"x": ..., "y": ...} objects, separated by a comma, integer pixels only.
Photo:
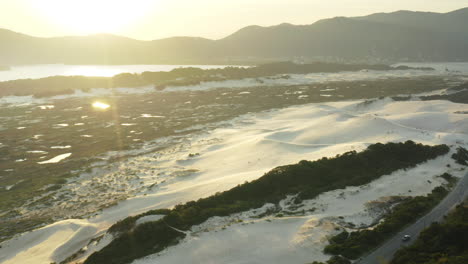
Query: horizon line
[{"x": 213, "y": 39}]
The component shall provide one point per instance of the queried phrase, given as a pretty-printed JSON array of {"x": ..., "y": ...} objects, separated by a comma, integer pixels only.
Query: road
[{"x": 385, "y": 253}]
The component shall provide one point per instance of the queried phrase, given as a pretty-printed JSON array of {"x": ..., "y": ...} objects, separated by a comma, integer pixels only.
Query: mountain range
[{"x": 382, "y": 37}]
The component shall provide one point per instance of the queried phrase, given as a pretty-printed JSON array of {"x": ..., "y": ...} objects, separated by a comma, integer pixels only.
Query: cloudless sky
[{"x": 154, "y": 19}]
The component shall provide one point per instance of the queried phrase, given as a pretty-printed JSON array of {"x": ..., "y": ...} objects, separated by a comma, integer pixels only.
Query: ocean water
[{"x": 47, "y": 70}]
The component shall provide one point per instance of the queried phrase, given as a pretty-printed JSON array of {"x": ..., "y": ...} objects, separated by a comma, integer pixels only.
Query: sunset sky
[{"x": 154, "y": 19}]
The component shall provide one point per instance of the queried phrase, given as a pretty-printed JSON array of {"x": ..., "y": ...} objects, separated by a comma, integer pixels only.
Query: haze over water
[{"x": 47, "y": 70}]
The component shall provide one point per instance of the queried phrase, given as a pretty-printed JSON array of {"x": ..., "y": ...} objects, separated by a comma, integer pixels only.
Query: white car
[{"x": 406, "y": 238}]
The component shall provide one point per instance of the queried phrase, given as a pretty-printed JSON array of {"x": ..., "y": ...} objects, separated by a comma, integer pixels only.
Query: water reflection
[
  {"x": 100, "y": 105},
  {"x": 56, "y": 159},
  {"x": 90, "y": 70},
  {"x": 47, "y": 70}
]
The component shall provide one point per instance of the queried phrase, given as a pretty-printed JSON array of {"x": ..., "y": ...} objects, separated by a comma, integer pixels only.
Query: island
[{"x": 61, "y": 85}]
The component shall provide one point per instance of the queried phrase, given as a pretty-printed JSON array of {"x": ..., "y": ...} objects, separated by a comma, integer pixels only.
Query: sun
[{"x": 94, "y": 16}]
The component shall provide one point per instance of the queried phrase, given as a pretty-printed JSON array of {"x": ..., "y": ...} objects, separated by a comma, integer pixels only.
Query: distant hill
[
  {"x": 453, "y": 22},
  {"x": 382, "y": 37},
  {"x": 398, "y": 36}
]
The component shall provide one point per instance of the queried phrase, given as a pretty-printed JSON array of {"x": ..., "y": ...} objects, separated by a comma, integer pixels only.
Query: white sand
[
  {"x": 38, "y": 246},
  {"x": 148, "y": 218},
  {"x": 253, "y": 145}
]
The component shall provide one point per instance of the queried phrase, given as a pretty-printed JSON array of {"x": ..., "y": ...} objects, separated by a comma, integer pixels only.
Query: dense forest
[
  {"x": 335, "y": 260},
  {"x": 461, "y": 156},
  {"x": 60, "y": 85},
  {"x": 308, "y": 179},
  {"x": 441, "y": 243}
]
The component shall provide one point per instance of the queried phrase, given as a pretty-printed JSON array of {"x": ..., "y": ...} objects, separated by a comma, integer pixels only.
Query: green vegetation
[
  {"x": 449, "y": 178},
  {"x": 461, "y": 157},
  {"x": 353, "y": 245},
  {"x": 334, "y": 260},
  {"x": 307, "y": 179},
  {"x": 441, "y": 243},
  {"x": 59, "y": 85}
]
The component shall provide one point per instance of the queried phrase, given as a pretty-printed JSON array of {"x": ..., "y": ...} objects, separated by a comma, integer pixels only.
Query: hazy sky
[{"x": 154, "y": 19}]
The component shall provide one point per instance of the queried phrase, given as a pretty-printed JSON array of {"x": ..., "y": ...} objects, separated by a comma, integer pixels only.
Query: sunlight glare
[
  {"x": 100, "y": 105},
  {"x": 91, "y": 16},
  {"x": 89, "y": 70}
]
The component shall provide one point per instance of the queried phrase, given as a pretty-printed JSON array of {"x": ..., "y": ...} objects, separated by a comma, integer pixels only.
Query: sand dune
[
  {"x": 323, "y": 130},
  {"x": 252, "y": 145}
]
